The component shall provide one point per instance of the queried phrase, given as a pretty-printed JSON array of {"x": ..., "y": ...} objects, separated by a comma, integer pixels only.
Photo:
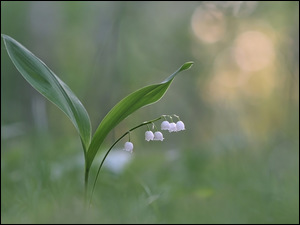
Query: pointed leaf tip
[
  {"x": 128, "y": 105},
  {"x": 40, "y": 77},
  {"x": 186, "y": 66},
  {"x": 4, "y": 37}
]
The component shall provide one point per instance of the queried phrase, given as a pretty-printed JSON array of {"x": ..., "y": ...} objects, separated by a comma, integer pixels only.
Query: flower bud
[
  {"x": 149, "y": 135},
  {"x": 172, "y": 127},
  {"x": 165, "y": 125},
  {"x": 180, "y": 126},
  {"x": 128, "y": 147},
  {"x": 158, "y": 136}
]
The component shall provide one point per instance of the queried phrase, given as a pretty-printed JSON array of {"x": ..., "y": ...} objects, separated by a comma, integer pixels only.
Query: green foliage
[
  {"x": 199, "y": 186},
  {"x": 127, "y": 106},
  {"x": 238, "y": 160},
  {"x": 48, "y": 84}
]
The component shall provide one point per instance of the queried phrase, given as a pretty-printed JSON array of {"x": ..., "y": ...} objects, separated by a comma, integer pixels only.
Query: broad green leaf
[
  {"x": 48, "y": 84},
  {"x": 128, "y": 105}
]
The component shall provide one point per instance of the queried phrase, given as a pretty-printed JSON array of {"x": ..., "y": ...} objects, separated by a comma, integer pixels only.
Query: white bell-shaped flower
[
  {"x": 128, "y": 147},
  {"x": 158, "y": 136},
  {"x": 149, "y": 135},
  {"x": 165, "y": 125},
  {"x": 180, "y": 126},
  {"x": 173, "y": 127}
]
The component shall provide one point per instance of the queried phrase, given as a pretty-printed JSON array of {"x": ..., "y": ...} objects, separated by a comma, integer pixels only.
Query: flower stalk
[
  {"x": 111, "y": 147},
  {"x": 157, "y": 136}
]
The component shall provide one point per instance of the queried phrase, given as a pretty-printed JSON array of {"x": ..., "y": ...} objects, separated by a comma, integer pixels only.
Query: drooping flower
[
  {"x": 149, "y": 135},
  {"x": 180, "y": 126},
  {"x": 128, "y": 147},
  {"x": 158, "y": 136},
  {"x": 165, "y": 125},
  {"x": 172, "y": 127}
]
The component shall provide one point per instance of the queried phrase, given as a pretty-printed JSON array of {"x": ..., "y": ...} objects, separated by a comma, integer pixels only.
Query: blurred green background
[{"x": 237, "y": 161}]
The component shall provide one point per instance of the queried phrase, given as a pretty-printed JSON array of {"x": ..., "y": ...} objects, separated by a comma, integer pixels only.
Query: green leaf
[
  {"x": 128, "y": 105},
  {"x": 48, "y": 84}
]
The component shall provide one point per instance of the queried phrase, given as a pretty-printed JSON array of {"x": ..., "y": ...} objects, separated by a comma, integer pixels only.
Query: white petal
[
  {"x": 172, "y": 127},
  {"x": 158, "y": 136},
  {"x": 165, "y": 125},
  {"x": 149, "y": 135},
  {"x": 128, "y": 147},
  {"x": 180, "y": 126}
]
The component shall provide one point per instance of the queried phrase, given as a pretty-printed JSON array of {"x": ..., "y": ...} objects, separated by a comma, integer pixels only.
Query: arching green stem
[{"x": 106, "y": 154}]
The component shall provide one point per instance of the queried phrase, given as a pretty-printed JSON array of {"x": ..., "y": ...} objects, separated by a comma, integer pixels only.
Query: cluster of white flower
[
  {"x": 172, "y": 127},
  {"x": 157, "y": 135}
]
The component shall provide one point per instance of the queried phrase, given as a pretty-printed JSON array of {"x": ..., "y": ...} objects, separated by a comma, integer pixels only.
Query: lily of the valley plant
[{"x": 55, "y": 90}]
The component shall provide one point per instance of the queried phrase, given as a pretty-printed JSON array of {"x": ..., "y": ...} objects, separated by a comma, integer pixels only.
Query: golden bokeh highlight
[
  {"x": 208, "y": 25},
  {"x": 253, "y": 51},
  {"x": 245, "y": 70}
]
